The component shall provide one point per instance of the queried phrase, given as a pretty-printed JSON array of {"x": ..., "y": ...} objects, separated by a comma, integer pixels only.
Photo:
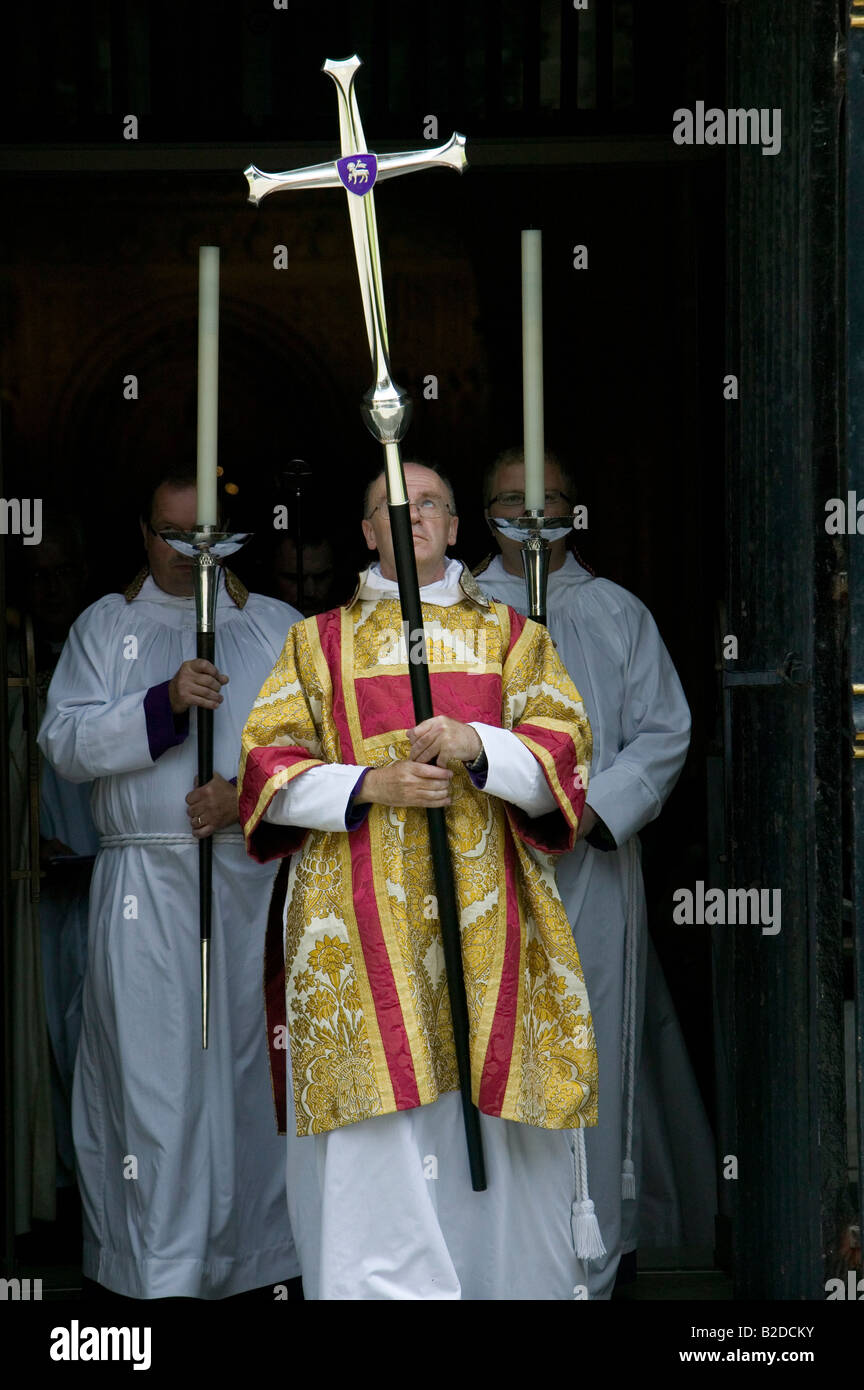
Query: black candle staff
[
  {"x": 206, "y": 576},
  {"x": 207, "y": 545}
]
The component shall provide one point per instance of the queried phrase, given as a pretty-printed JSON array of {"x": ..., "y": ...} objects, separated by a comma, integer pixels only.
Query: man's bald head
[
  {"x": 373, "y": 484},
  {"x": 433, "y": 522}
]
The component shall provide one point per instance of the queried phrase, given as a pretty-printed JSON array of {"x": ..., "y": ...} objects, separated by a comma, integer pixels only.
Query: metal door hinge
[{"x": 791, "y": 672}]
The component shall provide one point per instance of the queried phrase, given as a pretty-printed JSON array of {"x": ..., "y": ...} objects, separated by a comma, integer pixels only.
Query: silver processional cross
[
  {"x": 386, "y": 407},
  {"x": 386, "y": 411}
]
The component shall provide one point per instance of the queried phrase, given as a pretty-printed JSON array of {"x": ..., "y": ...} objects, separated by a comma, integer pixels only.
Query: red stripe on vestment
[
  {"x": 388, "y": 1008},
  {"x": 384, "y": 703},
  {"x": 499, "y": 1052},
  {"x": 517, "y": 624},
  {"x": 552, "y": 833},
  {"x": 274, "y": 996},
  {"x": 563, "y": 752},
  {"x": 376, "y": 961},
  {"x": 330, "y": 637},
  {"x": 267, "y": 841}
]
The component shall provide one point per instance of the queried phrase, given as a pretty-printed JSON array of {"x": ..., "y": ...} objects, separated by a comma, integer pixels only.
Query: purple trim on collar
[{"x": 164, "y": 729}]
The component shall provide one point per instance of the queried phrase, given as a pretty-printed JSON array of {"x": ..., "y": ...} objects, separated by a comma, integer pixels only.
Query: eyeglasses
[
  {"x": 426, "y": 506},
  {"x": 517, "y": 499}
]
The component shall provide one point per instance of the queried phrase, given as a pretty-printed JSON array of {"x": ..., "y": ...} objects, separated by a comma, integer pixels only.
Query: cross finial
[{"x": 357, "y": 171}]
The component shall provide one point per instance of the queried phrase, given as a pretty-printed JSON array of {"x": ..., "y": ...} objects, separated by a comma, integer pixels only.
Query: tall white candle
[
  {"x": 208, "y": 383},
  {"x": 532, "y": 368}
]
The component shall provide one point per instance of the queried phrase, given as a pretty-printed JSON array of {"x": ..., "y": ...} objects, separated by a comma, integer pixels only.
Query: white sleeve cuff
[
  {"x": 317, "y": 799},
  {"x": 514, "y": 773}
]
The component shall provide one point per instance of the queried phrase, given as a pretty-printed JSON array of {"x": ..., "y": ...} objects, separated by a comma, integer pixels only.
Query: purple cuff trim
[
  {"x": 355, "y": 815},
  {"x": 164, "y": 729},
  {"x": 479, "y": 777}
]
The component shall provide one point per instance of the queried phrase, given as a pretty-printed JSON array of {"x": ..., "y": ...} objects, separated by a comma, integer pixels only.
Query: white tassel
[
  {"x": 628, "y": 1180},
  {"x": 587, "y": 1239}
]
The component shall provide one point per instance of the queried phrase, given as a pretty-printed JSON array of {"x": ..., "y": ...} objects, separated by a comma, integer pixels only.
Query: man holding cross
[
  {"x": 335, "y": 772},
  {"x": 337, "y": 766}
]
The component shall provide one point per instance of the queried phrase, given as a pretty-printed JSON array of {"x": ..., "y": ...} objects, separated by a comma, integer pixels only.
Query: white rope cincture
[
  {"x": 587, "y": 1240},
  {"x": 628, "y": 1050},
  {"x": 146, "y": 837}
]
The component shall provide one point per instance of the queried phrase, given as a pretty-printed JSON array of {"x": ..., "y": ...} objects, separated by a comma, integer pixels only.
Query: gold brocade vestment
[{"x": 367, "y": 1004}]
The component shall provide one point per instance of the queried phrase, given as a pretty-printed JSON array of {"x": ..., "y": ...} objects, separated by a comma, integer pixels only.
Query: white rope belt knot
[{"x": 155, "y": 838}]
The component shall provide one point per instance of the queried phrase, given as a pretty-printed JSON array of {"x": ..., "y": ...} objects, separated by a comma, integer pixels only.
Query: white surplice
[
  {"x": 640, "y": 723},
  {"x": 181, "y": 1171},
  {"x": 384, "y": 1209}
]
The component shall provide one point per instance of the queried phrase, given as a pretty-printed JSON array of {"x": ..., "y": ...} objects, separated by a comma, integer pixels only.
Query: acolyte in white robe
[
  {"x": 384, "y": 1209},
  {"x": 181, "y": 1171},
  {"x": 640, "y": 721}
]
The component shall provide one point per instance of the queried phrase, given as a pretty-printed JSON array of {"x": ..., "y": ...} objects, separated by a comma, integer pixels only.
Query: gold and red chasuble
[{"x": 367, "y": 1006}]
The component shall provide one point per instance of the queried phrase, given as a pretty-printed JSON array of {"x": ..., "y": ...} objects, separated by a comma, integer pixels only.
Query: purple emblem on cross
[{"x": 358, "y": 172}]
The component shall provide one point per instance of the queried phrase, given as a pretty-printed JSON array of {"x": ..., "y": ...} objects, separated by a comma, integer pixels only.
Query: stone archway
[{"x": 277, "y": 400}]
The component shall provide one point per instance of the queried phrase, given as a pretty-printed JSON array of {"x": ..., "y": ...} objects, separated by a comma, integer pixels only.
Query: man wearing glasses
[
  {"x": 639, "y": 717},
  {"x": 335, "y": 772},
  {"x": 180, "y": 1167}
]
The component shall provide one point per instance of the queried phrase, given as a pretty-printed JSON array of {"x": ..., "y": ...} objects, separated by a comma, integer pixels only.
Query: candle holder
[
  {"x": 535, "y": 533},
  {"x": 207, "y": 546}
]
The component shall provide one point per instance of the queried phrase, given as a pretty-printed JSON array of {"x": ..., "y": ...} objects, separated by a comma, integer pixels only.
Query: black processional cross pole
[{"x": 386, "y": 411}]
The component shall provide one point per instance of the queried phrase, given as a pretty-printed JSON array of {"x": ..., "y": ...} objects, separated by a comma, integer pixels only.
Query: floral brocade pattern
[
  {"x": 368, "y": 1007},
  {"x": 331, "y": 1061},
  {"x": 400, "y": 842}
]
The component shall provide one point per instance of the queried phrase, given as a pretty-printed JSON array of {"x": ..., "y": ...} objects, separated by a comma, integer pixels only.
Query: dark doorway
[{"x": 569, "y": 118}]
